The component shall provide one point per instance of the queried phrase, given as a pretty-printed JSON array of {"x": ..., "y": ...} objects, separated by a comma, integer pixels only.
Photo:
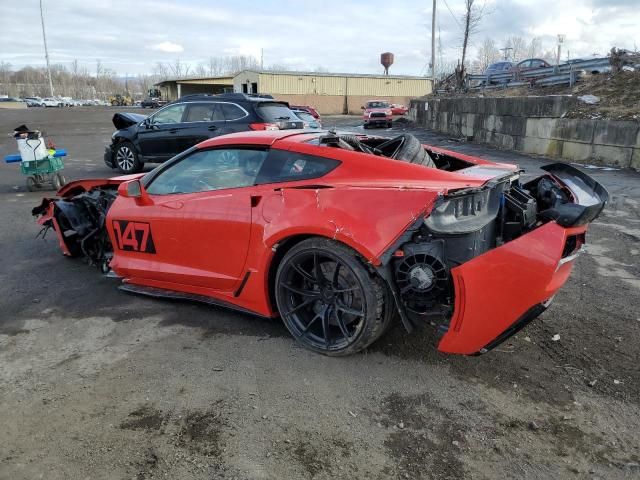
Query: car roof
[
  {"x": 259, "y": 137},
  {"x": 237, "y": 97}
]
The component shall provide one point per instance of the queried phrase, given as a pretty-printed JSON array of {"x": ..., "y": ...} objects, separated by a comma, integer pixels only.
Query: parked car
[
  {"x": 188, "y": 121},
  {"x": 377, "y": 113},
  {"x": 152, "y": 103},
  {"x": 52, "y": 102},
  {"x": 397, "y": 109},
  {"x": 338, "y": 235},
  {"x": 307, "y": 109},
  {"x": 34, "y": 102},
  {"x": 308, "y": 120},
  {"x": 497, "y": 68}
]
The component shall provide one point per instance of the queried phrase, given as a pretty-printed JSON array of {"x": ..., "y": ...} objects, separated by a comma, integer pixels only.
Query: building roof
[
  {"x": 329, "y": 74},
  {"x": 215, "y": 79},
  {"x": 228, "y": 78}
]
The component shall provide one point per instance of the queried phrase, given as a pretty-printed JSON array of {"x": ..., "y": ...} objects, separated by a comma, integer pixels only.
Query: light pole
[
  {"x": 561, "y": 38},
  {"x": 46, "y": 51},
  {"x": 433, "y": 42}
]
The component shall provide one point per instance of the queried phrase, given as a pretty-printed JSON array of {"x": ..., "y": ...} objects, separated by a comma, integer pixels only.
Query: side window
[
  {"x": 170, "y": 114},
  {"x": 206, "y": 170},
  {"x": 203, "y": 112},
  {"x": 232, "y": 111},
  {"x": 286, "y": 166}
]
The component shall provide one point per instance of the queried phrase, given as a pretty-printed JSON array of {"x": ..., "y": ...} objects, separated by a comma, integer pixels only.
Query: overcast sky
[{"x": 130, "y": 36}]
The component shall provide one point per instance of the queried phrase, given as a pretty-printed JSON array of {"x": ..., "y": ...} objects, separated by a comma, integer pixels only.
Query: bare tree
[
  {"x": 471, "y": 19},
  {"x": 534, "y": 50},
  {"x": 518, "y": 46},
  {"x": 488, "y": 53},
  {"x": 200, "y": 70},
  {"x": 161, "y": 71}
]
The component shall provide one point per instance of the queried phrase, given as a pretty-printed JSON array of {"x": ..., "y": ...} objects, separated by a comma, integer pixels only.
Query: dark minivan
[{"x": 188, "y": 121}]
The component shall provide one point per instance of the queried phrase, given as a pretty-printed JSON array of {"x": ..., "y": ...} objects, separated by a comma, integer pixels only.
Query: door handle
[
  {"x": 173, "y": 205},
  {"x": 173, "y": 130},
  {"x": 212, "y": 127}
]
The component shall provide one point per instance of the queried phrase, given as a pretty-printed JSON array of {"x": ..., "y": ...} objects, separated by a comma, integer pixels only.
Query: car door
[
  {"x": 203, "y": 120},
  {"x": 199, "y": 219},
  {"x": 159, "y": 135}
]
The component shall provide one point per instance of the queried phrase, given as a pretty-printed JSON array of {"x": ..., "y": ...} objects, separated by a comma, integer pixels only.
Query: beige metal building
[
  {"x": 175, "y": 88},
  {"x": 330, "y": 93}
]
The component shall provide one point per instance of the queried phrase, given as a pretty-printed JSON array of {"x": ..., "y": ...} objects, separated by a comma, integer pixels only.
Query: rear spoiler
[{"x": 589, "y": 196}]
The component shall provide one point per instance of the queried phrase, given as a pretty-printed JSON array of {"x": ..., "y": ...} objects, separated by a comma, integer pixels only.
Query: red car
[
  {"x": 339, "y": 235},
  {"x": 306, "y": 108},
  {"x": 397, "y": 109},
  {"x": 377, "y": 113}
]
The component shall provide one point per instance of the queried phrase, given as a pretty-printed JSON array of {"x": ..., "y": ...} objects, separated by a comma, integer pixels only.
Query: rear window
[
  {"x": 286, "y": 166},
  {"x": 275, "y": 112}
]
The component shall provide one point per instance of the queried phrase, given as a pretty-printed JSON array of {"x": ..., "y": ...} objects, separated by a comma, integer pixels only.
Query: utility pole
[
  {"x": 506, "y": 49},
  {"x": 262, "y": 59},
  {"x": 433, "y": 42},
  {"x": 46, "y": 51}
]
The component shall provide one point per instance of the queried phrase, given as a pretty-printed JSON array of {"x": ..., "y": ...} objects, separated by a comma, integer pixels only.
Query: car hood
[{"x": 125, "y": 120}]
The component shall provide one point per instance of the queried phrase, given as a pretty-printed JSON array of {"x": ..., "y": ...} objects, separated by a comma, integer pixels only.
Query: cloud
[
  {"x": 167, "y": 47},
  {"x": 294, "y": 33}
]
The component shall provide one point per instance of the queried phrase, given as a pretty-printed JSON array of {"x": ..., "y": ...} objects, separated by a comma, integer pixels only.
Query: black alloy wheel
[{"x": 328, "y": 300}]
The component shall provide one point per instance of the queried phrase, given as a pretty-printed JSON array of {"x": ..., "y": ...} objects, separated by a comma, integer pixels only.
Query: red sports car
[{"x": 338, "y": 235}]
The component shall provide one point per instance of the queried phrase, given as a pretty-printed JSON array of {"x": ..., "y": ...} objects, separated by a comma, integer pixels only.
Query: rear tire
[
  {"x": 126, "y": 158},
  {"x": 328, "y": 300}
]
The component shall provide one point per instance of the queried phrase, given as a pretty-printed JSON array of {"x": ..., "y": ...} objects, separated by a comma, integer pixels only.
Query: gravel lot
[{"x": 96, "y": 383}]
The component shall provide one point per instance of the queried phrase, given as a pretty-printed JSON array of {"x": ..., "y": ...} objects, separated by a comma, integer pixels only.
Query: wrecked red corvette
[{"x": 338, "y": 235}]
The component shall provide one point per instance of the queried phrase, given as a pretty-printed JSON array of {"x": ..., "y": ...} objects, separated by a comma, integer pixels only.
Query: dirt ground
[
  {"x": 99, "y": 384},
  {"x": 619, "y": 95}
]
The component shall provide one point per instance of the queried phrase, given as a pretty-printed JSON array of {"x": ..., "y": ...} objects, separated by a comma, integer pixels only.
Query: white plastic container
[{"x": 32, "y": 148}]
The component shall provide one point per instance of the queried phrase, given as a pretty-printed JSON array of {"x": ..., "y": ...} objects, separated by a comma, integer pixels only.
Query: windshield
[{"x": 378, "y": 105}]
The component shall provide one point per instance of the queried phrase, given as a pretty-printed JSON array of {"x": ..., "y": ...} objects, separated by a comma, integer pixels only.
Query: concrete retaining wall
[{"x": 533, "y": 125}]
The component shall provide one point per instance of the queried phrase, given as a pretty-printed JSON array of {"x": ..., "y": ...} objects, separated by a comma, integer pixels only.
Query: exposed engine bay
[
  {"x": 465, "y": 225},
  {"x": 81, "y": 220}
]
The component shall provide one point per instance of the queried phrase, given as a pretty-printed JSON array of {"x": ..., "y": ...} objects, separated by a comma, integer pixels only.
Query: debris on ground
[
  {"x": 619, "y": 95},
  {"x": 589, "y": 99}
]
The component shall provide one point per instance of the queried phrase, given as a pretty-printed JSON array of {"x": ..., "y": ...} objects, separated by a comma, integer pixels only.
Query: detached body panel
[{"x": 495, "y": 290}]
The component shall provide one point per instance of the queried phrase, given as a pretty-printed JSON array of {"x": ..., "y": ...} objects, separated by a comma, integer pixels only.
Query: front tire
[
  {"x": 327, "y": 298},
  {"x": 126, "y": 158}
]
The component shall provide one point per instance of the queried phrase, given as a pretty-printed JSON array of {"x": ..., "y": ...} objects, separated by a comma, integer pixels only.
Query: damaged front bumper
[{"x": 486, "y": 262}]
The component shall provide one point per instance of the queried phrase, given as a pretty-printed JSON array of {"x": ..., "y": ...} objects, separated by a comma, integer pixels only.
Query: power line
[{"x": 452, "y": 15}]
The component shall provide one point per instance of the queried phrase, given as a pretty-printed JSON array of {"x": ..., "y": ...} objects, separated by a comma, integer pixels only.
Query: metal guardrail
[{"x": 563, "y": 74}]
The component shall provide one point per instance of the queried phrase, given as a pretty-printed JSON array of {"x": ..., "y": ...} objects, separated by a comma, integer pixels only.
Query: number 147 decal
[{"x": 133, "y": 236}]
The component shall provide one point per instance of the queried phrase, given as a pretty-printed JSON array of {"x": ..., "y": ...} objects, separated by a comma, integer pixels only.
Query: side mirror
[
  {"x": 362, "y": 108},
  {"x": 134, "y": 189},
  {"x": 147, "y": 122}
]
